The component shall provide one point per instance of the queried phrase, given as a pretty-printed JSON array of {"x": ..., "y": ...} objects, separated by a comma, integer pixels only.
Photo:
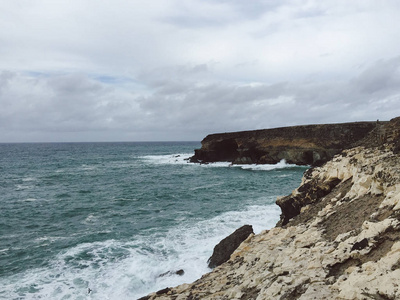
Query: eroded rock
[{"x": 224, "y": 249}]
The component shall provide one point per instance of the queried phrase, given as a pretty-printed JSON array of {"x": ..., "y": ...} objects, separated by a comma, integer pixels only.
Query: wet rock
[
  {"x": 163, "y": 291},
  {"x": 228, "y": 245},
  {"x": 179, "y": 272}
]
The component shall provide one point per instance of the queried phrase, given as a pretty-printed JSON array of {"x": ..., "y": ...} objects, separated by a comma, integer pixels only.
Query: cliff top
[{"x": 290, "y": 131}]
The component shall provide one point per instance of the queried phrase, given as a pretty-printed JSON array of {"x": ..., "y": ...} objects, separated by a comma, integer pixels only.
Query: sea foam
[
  {"x": 130, "y": 269},
  {"x": 183, "y": 158}
]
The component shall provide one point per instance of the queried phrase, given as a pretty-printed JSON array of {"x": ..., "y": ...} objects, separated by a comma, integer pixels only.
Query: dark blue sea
[{"x": 112, "y": 217}]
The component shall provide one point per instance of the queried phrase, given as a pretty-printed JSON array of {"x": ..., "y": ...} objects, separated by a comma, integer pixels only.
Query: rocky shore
[{"x": 338, "y": 236}]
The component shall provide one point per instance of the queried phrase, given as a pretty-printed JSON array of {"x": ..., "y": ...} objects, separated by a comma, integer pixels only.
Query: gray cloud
[
  {"x": 182, "y": 104},
  {"x": 178, "y": 70},
  {"x": 383, "y": 76}
]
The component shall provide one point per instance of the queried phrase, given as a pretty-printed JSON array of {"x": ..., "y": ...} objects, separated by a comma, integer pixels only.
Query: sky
[{"x": 177, "y": 70}]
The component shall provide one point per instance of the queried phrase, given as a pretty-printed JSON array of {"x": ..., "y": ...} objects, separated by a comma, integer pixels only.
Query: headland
[
  {"x": 338, "y": 236},
  {"x": 301, "y": 145}
]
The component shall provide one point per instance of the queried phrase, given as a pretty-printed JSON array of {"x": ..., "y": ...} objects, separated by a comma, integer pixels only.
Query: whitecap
[
  {"x": 29, "y": 179},
  {"x": 131, "y": 269},
  {"x": 177, "y": 158},
  {"x": 183, "y": 158},
  {"x": 20, "y": 187},
  {"x": 255, "y": 167},
  {"x": 90, "y": 219},
  {"x": 206, "y": 186},
  {"x": 268, "y": 167},
  {"x": 29, "y": 200},
  {"x": 221, "y": 164},
  {"x": 85, "y": 167},
  {"x": 50, "y": 239}
]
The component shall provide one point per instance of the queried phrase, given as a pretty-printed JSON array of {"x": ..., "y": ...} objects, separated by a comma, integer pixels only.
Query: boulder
[{"x": 228, "y": 245}]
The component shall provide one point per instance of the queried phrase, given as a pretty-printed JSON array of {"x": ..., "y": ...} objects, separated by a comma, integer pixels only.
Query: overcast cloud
[{"x": 85, "y": 70}]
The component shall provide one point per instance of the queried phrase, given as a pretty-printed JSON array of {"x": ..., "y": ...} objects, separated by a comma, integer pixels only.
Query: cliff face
[
  {"x": 302, "y": 145},
  {"x": 338, "y": 238}
]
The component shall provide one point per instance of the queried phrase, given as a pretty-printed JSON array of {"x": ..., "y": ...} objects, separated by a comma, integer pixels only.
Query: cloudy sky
[{"x": 133, "y": 70}]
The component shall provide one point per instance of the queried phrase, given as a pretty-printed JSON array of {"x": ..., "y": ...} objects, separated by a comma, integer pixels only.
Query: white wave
[
  {"x": 47, "y": 240},
  {"x": 267, "y": 167},
  {"x": 178, "y": 158},
  {"x": 85, "y": 167},
  {"x": 283, "y": 176},
  {"x": 255, "y": 167},
  {"x": 20, "y": 187},
  {"x": 220, "y": 164},
  {"x": 29, "y": 200},
  {"x": 206, "y": 186},
  {"x": 130, "y": 269},
  {"x": 183, "y": 158},
  {"x": 29, "y": 179},
  {"x": 90, "y": 219}
]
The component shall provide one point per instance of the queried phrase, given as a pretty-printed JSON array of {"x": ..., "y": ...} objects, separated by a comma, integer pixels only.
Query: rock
[
  {"x": 163, "y": 291},
  {"x": 301, "y": 145},
  {"x": 228, "y": 245},
  {"x": 306, "y": 194},
  {"x": 360, "y": 245},
  {"x": 179, "y": 272}
]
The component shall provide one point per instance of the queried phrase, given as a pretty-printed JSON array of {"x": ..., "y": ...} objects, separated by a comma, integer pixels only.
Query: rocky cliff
[
  {"x": 338, "y": 237},
  {"x": 301, "y": 145}
]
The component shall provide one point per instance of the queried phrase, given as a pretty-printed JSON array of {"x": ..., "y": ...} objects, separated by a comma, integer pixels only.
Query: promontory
[
  {"x": 339, "y": 232},
  {"x": 302, "y": 145}
]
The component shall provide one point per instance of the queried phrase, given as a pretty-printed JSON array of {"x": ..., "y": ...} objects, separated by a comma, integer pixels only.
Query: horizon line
[{"x": 101, "y": 142}]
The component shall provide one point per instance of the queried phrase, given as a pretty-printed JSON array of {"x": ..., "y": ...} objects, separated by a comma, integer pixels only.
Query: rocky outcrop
[
  {"x": 179, "y": 272},
  {"x": 338, "y": 237},
  {"x": 223, "y": 250},
  {"x": 313, "y": 188},
  {"x": 302, "y": 145}
]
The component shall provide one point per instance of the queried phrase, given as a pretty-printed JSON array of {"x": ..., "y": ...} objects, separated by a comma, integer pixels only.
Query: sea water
[{"x": 106, "y": 220}]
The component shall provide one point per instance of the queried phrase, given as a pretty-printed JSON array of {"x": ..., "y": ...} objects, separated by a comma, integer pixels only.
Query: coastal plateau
[
  {"x": 338, "y": 236},
  {"x": 301, "y": 145}
]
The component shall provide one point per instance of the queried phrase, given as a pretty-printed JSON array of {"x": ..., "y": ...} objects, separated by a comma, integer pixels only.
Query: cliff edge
[
  {"x": 301, "y": 145},
  {"x": 342, "y": 241}
]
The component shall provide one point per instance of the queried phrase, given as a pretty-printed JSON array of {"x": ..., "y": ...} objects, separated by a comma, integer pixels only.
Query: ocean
[{"x": 117, "y": 220}]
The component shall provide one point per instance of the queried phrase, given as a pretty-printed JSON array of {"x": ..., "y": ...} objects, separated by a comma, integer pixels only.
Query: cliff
[
  {"x": 338, "y": 237},
  {"x": 301, "y": 145}
]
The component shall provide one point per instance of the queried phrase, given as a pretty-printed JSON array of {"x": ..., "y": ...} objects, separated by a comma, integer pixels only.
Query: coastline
[
  {"x": 338, "y": 238},
  {"x": 301, "y": 145}
]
